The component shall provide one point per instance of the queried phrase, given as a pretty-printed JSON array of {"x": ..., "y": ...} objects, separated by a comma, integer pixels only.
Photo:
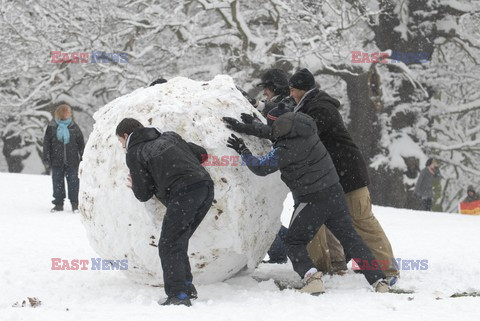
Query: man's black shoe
[
  {"x": 174, "y": 300},
  {"x": 57, "y": 208}
]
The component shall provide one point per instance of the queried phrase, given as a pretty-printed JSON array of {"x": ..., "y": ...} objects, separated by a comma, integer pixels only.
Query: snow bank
[{"x": 246, "y": 213}]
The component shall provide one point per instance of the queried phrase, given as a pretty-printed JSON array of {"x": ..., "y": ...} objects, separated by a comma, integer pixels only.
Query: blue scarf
[{"x": 63, "y": 134}]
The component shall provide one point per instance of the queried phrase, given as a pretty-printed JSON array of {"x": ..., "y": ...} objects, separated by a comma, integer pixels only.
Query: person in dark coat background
[
  {"x": 307, "y": 169},
  {"x": 63, "y": 147},
  {"x": 424, "y": 185},
  {"x": 472, "y": 196},
  {"x": 165, "y": 165}
]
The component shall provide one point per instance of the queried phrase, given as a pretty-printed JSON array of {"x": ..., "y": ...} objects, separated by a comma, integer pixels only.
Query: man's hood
[
  {"x": 291, "y": 125},
  {"x": 142, "y": 135},
  {"x": 323, "y": 96},
  {"x": 319, "y": 96}
]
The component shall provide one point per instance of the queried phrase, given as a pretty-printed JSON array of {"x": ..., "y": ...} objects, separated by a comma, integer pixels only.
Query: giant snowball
[{"x": 245, "y": 216}]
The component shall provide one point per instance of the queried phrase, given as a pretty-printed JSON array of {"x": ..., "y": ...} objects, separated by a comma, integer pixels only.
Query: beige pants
[{"x": 325, "y": 249}]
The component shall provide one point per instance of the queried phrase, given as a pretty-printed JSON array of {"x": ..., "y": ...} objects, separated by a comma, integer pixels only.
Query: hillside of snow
[{"x": 31, "y": 236}]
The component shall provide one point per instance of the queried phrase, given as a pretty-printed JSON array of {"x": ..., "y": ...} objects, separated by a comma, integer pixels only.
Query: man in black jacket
[
  {"x": 349, "y": 163},
  {"x": 307, "y": 169},
  {"x": 165, "y": 165}
]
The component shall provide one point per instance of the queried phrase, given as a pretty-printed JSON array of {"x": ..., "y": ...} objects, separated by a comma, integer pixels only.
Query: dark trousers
[
  {"x": 59, "y": 173},
  {"x": 185, "y": 212},
  {"x": 278, "y": 250},
  {"x": 330, "y": 209},
  {"x": 427, "y": 204}
]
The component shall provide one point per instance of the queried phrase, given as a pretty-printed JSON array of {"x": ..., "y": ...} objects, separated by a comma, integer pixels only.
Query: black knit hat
[
  {"x": 429, "y": 162},
  {"x": 303, "y": 80},
  {"x": 275, "y": 113}
]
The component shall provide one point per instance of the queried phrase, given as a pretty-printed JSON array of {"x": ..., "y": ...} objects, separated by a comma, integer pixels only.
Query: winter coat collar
[
  {"x": 142, "y": 135},
  {"x": 301, "y": 102}
]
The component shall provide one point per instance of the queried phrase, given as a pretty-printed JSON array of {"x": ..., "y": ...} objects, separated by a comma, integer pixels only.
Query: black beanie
[
  {"x": 302, "y": 79},
  {"x": 275, "y": 113}
]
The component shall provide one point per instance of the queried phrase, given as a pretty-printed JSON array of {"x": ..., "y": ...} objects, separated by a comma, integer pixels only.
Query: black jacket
[
  {"x": 346, "y": 156},
  {"x": 162, "y": 164},
  {"x": 56, "y": 153},
  {"x": 298, "y": 153}
]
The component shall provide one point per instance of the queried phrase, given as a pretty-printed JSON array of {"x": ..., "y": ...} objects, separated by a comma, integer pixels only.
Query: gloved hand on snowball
[
  {"x": 237, "y": 144},
  {"x": 234, "y": 124}
]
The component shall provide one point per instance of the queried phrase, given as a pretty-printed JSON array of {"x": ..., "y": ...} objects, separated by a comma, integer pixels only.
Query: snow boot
[
  {"x": 75, "y": 208},
  {"x": 381, "y": 286},
  {"x": 191, "y": 291},
  {"x": 313, "y": 284},
  {"x": 179, "y": 299},
  {"x": 57, "y": 208}
]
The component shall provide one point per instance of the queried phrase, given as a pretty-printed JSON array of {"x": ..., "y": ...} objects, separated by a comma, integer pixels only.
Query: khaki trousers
[{"x": 326, "y": 251}]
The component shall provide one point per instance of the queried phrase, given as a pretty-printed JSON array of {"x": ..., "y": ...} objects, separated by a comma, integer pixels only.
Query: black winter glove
[
  {"x": 249, "y": 119},
  {"x": 234, "y": 124},
  {"x": 251, "y": 100},
  {"x": 236, "y": 144}
]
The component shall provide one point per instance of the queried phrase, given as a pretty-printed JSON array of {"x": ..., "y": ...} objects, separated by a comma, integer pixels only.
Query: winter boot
[
  {"x": 179, "y": 299},
  {"x": 75, "y": 207},
  {"x": 191, "y": 291},
  {"x": 57, "y": 208},
  {"x": 313, "y": 284},
  {"x": 381, "y": 286},
  {"x": 339, "y": 268}
]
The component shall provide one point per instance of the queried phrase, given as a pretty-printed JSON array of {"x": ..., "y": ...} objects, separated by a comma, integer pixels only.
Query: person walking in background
[
  {"x": 63, "y": 146},
  {"x": 424, "y": 185}
]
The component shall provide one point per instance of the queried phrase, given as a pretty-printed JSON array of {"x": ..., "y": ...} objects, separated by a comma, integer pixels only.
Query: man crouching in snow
[
  {"x": 164, "y": 165},
  {"x": 308, "y": 171}
]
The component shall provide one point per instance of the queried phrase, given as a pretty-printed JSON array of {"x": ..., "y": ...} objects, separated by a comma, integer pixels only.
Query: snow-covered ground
[{"x": 30, "y": 236}]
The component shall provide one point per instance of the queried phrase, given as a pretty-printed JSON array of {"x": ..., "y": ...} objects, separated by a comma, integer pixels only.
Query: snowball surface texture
[{"x": 245, "y": 217}]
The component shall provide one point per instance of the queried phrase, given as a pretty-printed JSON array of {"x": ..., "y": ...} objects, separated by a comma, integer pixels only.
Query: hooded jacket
[
  {"x": 473, "y": 198},
  {"x": 304, "y": 163},
  {"x": 56, "y": 153},
  {"x": 346, "y": 156},
  {"x": 162, "y": 164}
]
